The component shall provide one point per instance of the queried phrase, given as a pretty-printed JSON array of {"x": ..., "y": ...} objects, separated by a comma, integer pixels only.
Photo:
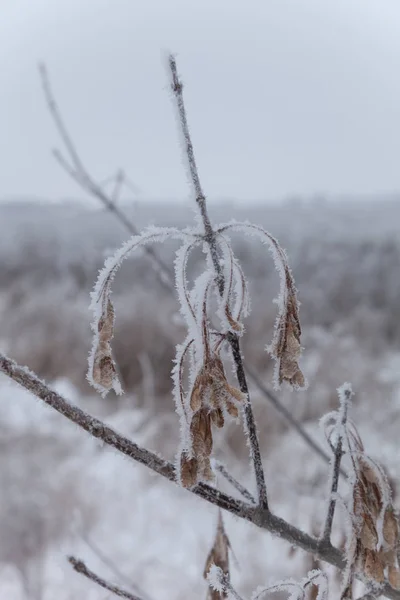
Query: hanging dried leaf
[{"x": 218, "y": 556}]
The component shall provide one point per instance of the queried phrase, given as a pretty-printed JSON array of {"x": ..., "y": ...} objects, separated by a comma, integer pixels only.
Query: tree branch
[
  {"x": 80, "y": 567},
  {"x": 345, "y": 394},
  {"x": 234, "y": 483},
  {"x": 254, "y": 514},
  {"x": 211, "y": 239},
  {"x": 79, "y": 173},
  {"x": 112, "y": 566},
  {"x": 132, "y": 230}
]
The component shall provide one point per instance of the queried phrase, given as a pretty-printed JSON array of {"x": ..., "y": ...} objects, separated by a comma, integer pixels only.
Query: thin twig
[
  {"x": 260, "y": 517},
  {"x": 112, "y": 566},
  {"x": 130, "y": 227},
  {"x": 234, "y": 483},
  {"x": 345, "y": 396},
  {"x": 79, "y": 173},
  {"x": 211, "y": 239},
  {"x": 80, "y": 567}
]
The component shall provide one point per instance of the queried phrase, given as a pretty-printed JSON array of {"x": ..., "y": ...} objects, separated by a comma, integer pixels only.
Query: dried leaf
[{"x": 188, "y": 471}]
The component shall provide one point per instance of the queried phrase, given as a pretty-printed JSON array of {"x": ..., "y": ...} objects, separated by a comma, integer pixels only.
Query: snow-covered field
[{"x": 63, "y": 493}]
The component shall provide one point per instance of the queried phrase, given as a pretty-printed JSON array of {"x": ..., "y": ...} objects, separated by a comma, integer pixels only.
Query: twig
[
  {"x": 130, "y": 227},
  {"x": 286, "y": 414},
  {"x": 345, "y": 394},
  {"x": 79, "y": 173},
  {"x": 234, "y": 483},
  {"x": 112, "y": 566},
  {"x": 211, "y": 239},
  {"x": 80, "y": 567},
  {"x": 260, "y": 517}
]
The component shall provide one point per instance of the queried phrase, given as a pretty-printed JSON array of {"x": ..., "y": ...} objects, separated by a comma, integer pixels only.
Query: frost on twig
[
  {"x": 373, "y": 529},
  {"x": 335, "y": 439},
  {"x": 297, "y": 590},
  {"x": 238, "y": 486},
  {"x": 80, "y": 567}
]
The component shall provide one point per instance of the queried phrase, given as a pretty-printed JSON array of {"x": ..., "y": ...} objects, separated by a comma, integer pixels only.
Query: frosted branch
[
  {"x": 345, "y": 393},
  {"x": 80, "y": 567},
  {"x": 211, "y": 239},
  {"x": 234, "y": 483},
  {"x": 285, "y": 347},
  {"x": 96, "y": 428},
  {"x": 79, "y": 173}
]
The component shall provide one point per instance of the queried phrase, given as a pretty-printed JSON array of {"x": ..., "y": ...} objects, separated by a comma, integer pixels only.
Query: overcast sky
[{"x": 283, "y": 96}]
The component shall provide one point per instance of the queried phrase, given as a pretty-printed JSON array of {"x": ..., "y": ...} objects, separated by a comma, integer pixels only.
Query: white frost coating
[
  {"x": 215, "y": 577},
  {"x": 291, "y": 586},
  {"x": 181, "y": 405},
  {"x": 235, "y": 296},
  {"x": 295, "y": 589},
  {"x": 200, "y": 293},
  {"x": 180, "y": 264},
  {"x": 102, "y": 289},
  {"x": 218, "y": 582},
  {"x": 281, "y": 264}
]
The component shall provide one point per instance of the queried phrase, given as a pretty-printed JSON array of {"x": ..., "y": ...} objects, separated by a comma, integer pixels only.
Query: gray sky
[{"x": 284, "y": 96}]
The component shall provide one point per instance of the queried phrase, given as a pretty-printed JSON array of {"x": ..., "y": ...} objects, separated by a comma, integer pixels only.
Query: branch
[
  {"x": 234, "y": 483},
  {"x": 82, "y": 180},
  {"x": 345, "y": 394},
  {"x": 258, "y": 516},
  {"x": 79, "y": 173},
  {"x": 80, "y": 567},
  {"x": 111, "y": 565},
  {"x": 210, "y": 238}
]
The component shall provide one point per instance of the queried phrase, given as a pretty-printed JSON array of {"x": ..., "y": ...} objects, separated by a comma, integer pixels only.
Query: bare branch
[
  {"x": 258, "y": 516},
  {"x": 79, "y": 173},
  {"x": 111, "y": 565},
  {"x": 238, "y": 486},
  {"x": 80, "y": 567},
  {"x": 210, "y": 238},
  {"x": 345, "y": 394}
]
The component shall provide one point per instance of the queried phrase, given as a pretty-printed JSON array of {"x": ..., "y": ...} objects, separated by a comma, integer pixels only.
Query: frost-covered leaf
[
  {"x": 285, "y": 347},
  {"x": 102, "y": 369}
]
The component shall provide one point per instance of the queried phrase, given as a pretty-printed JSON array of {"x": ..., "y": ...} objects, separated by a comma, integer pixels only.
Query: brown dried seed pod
[
  {"x": 394, "y": 577},
  {"x": 390, "y": 528},
  {"x": 235, "y": 325},
  {"x": 211, "y": 386},
  {"x": 205, "y": 471},
  {"x": 369, "y": 536},
  {"x": 189, "y": 470},
  {"x": 217, "y": 417},
  {"x": 104, "y": 371},
  {"x": 106, "y": 322},
  {"x": 373, "y": 567},
  {"x": 232, "y": 409},
  {"x": 200, "y": 429}
]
